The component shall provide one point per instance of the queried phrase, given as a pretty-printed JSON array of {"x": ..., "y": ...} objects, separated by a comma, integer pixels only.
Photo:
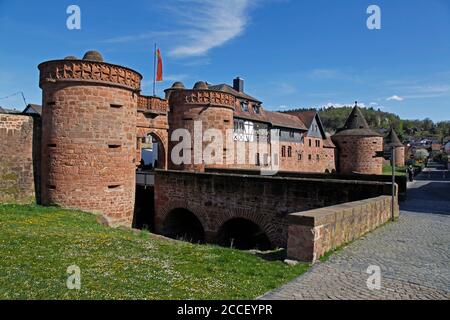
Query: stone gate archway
[{"x": 152, "y": 151}]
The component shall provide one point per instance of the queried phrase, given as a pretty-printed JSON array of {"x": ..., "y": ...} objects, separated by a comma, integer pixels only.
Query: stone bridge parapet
[
  {"x": 313, "y": 233},
  {"x": 215, "y": 198}
]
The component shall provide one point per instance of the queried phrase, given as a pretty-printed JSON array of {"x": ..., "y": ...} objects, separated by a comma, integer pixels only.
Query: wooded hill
[{"x": 334, "y": 118}]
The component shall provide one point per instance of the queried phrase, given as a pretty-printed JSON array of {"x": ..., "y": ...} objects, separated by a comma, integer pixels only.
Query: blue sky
[{"x": 290, "y": 53}]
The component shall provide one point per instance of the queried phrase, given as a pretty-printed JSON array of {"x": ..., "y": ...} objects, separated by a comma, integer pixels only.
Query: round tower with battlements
[
  {"x": 357, "y": 146},
  {"x": 197, "y": 110},
  {"x": 89, "y": 135}
]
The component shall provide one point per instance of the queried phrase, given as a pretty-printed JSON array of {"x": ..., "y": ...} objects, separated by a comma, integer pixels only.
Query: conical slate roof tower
[
  {"x": 356, "y": 125},
  {"x": 358, "y": 146},
  {"x": 392, "y": 140}
]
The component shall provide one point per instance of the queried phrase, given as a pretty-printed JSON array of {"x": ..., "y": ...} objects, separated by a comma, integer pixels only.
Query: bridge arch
[
  {"x": 183, "y": 224},
  {"x": 213, "y": 218},
  {"x": 242, "y": 233}
]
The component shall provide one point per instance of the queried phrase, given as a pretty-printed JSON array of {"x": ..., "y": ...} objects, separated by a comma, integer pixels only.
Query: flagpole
[{"x": 154, "y": 72}]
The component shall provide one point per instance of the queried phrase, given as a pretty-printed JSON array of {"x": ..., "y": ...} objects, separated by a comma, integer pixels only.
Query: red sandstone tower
[
  {"x": 213, "y": 109},
  {"x": 89, "y": 136},
  {"x": 392, "y": 140},
  {"x": 357, "y": 146}
]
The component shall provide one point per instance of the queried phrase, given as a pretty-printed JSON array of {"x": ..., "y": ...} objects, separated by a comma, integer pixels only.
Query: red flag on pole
[{"x": 159, "y": 72}]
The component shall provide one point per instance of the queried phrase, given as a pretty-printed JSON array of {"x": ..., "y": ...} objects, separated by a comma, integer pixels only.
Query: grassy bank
[
  {"x": 38, "y": 244},
  {"x": 399, "y": 171}
]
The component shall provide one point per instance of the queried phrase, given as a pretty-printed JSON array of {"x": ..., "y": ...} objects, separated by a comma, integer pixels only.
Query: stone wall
[
  {"x": 19, "y": 138},
  {"x": 266, "y": 201},
  {"x": 152, "y": 120},
  {"x": 313, "y": 233},
  {"x": 357, "y": 154},
  {"x": 400, "y": 181},
  {"x": 307, "y": 156},
  {"x": 313, "y": 158}
]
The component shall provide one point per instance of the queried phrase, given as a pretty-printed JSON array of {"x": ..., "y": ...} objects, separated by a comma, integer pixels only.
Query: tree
[
  {"x": 428, "y": 124},
  {"x": 334, "y": 118},
  {"x": 421, "y": 154}
]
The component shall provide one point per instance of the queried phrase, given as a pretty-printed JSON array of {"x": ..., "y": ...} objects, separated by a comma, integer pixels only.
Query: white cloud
[
  {"x": 197, "y": 26},
  {"x": 395, "y": 98},
  {"x": 414, "y": 89},
  {"x": 207, "y": 24}
]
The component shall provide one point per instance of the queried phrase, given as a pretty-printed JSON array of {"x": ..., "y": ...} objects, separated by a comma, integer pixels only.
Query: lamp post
[
  {"x": 388, "y": 153},
  {"x": 393, "y": 183}
]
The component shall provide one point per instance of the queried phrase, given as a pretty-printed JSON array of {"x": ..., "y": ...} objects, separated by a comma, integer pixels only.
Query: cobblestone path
[{"x": 412, "y": 253}]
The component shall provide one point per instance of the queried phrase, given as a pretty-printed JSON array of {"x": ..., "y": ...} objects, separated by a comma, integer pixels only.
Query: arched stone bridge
[{"x": 214, "y": 207}]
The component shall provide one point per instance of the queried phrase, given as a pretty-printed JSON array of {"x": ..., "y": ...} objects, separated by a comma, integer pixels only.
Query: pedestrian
[{"x": 410, "y": 173}]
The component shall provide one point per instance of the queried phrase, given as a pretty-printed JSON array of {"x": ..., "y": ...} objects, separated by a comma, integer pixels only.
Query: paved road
[
  {"x": 430, "y": 192},
  {"x": 413, "y": 253}
]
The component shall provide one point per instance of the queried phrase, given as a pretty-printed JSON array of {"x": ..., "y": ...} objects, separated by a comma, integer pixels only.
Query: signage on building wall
[{"x": 244, "y": 132}]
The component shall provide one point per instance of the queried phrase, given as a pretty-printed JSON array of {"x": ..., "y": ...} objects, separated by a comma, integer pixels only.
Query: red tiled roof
[
  {"x": 285, "y": 120},
  {"x": 226, "y": 88},
  {"x": 277, "y": 119},
  {"x": 306, "y": 116},
  {"x": 251, "y": 115}
]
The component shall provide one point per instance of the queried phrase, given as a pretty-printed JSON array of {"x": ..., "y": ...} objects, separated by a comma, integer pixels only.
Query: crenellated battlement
[
  {"x": 152, "y": 104},
  {"x": 88, "y": 71},
  {"x": 202, "y": 97}
]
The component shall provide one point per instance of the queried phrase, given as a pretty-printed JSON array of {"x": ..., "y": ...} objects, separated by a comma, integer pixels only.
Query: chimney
[{"x": 238, "y": 84}]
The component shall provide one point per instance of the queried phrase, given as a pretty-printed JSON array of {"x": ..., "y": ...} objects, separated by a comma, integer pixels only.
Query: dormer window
[
  {"x": 244, "y": 106},
  {"x": 256, "y": 108}
]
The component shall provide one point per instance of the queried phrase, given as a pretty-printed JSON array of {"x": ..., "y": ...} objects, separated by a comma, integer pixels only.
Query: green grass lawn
[
  {"x": 399, "y": 171},
  {"x": 37, "y": 244}
]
